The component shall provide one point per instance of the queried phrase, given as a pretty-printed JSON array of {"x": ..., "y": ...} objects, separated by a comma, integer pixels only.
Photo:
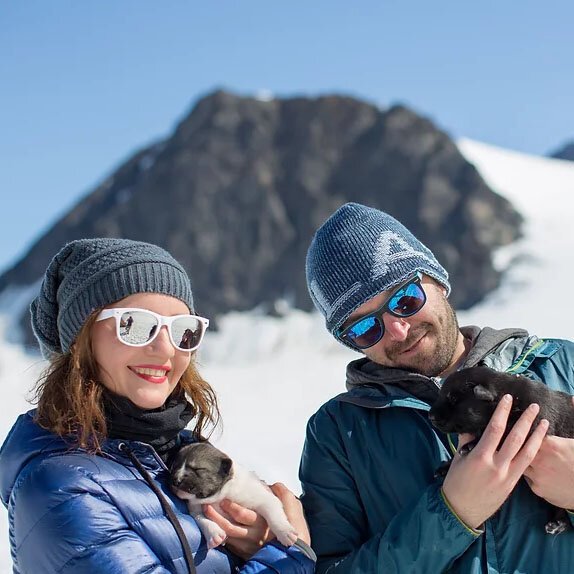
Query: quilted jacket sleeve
[
  {"x": 275, "y": 557},
  {"x": 423, "y": 537},
  {"x": 66, "y": 522}
]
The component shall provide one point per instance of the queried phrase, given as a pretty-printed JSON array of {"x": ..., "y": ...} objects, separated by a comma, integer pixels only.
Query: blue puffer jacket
[
  {"x": 370, "y": 496},
  {"x": 70, "y": 511}
]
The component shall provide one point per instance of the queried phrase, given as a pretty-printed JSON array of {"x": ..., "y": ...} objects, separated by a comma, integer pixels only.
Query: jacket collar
[{"x": 485, "y": 341}]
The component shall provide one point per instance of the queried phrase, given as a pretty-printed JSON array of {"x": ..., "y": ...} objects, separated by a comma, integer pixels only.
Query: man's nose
[{"x": 395, "y": 327}]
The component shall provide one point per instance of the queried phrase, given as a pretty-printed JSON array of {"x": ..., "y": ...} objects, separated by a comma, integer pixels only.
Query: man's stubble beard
[{"x": 440, "y": 357}]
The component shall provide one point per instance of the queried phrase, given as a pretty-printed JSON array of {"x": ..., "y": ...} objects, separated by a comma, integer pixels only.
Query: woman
[{"x": 85, "y": 475}]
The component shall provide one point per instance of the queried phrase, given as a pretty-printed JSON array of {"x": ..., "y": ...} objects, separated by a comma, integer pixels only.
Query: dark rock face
[
  {"x": 241, "y": 186},
  {"x": 565, "y": 152}
]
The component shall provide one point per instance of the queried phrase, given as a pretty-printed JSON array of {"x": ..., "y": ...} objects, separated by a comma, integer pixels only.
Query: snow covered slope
[{"x": 272, "y": 374}]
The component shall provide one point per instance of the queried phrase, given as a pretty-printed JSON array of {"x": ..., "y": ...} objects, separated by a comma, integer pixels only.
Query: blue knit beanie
[
  {"x": 88, "y": 274},
  {"x": 358, "y": 253}
]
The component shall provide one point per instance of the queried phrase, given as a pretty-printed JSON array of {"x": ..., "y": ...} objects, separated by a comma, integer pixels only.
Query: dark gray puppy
[
  {"x": 468, "y": 398},
  {"x": 200, "y": 469},
  {"x": 202, "y": 474}
]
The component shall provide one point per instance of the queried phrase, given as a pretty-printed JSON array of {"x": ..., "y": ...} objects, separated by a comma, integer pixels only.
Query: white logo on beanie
[{"x": 391, "y": 248}]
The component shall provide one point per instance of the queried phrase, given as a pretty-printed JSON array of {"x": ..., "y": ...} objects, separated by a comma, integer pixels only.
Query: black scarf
[{"x": 159, "y": 428}]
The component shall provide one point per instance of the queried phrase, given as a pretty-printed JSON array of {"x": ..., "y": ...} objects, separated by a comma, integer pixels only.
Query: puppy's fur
[
  {"x": 468, "y": 398},
  {"x": 202, "y": 474}
]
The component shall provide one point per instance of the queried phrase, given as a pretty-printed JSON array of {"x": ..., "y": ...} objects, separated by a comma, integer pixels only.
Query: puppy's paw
[
  {"x": 216, "y": 541},
  {"x": 558, "y": 523},
  {"x": 287, "y": 536},
  {"x": 215, "y": 535},
  {"x": 557, "y": 526}
]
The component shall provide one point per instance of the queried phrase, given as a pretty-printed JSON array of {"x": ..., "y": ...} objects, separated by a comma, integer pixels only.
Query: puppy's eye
[
  {"x": 201, "y": 471},
  {"x": 452, "y": 398}
]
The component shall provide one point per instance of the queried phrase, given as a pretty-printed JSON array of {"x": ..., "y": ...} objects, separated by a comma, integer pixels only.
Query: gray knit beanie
[
  {"x": 358, "y": 253},
  {"x": 88, "y": 274}
]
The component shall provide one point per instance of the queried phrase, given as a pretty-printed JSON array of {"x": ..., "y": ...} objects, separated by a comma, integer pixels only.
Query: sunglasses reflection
[
  {"x": 187, "y": 339},
  {"x": 142, "y": 332},
  {"x": 126, "y": 324}
]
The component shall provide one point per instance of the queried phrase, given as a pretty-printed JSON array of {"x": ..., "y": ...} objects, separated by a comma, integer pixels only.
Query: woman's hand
[
  {"x": 478, "y": 483},
  {"x": 294, "y": 511},
  {"x": 247, "y": 531}
]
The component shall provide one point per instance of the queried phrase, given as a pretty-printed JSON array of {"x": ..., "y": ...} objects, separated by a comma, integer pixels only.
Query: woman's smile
[{"x": 152, "y": 373}]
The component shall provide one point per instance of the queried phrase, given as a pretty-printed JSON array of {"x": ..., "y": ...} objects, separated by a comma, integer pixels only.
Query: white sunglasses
[{"x": 139, "y": 327}]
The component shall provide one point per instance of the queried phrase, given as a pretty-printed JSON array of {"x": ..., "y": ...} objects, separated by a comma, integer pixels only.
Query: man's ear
[{"x": 483, "y": 393}]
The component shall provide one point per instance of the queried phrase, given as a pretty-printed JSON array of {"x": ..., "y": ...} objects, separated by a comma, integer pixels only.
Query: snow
[
  {"x": 271, "y": 374},
  {"x": 534, "y": 292},
  {"x": 264, "y": 95}
]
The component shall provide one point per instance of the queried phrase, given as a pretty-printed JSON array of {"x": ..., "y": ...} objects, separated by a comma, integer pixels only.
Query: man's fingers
[
  {"x": 492, "y": 435},
  {"x": 531, "y": 447},
  {"x": 517, "y": 436}
]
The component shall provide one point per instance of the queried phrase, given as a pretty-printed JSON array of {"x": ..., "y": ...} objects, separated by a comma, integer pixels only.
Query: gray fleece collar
[{"x": 509, "y": 343}]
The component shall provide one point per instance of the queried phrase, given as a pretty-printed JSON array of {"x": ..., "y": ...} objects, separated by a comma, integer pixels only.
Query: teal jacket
[{"x": 368, "y": 464}]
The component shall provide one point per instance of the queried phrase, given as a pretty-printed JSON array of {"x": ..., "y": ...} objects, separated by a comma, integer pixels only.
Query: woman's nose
[
  {"x": 162, "y": 343},
  {"x": 396, "y": 328}
]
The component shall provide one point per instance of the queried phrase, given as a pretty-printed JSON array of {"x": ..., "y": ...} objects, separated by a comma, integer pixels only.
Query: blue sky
[{"x": 85, "y": 83}]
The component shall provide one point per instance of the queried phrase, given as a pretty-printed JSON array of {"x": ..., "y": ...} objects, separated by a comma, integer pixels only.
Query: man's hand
[
  {"x": 478, "y": 483},
  {"x": 551, "y": 474}
]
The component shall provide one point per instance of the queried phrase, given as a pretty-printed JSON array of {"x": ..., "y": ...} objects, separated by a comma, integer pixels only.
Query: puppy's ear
[
  {"x": 225, "y": 466},
  {"x": 484, "y": 394}
]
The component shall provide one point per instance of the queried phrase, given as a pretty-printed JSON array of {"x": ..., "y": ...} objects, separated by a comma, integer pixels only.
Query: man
[{"x": 367, "y": 470}]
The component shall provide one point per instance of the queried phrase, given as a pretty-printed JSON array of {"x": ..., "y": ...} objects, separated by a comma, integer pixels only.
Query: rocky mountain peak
[{"x": 241, "y": 185}]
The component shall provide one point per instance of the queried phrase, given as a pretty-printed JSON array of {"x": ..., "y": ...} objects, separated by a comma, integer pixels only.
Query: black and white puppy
[
  {"x": 202, "y": 474},
  {"x": 468, "y": 398}
]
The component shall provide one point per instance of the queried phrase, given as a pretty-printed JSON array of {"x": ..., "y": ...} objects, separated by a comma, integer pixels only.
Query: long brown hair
[{"x": 69, "y": 395}]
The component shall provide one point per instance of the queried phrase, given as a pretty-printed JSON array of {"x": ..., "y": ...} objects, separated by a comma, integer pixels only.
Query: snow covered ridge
[
  {"x": 271, "y": 373},
  {"x": 539, "y": 269}
]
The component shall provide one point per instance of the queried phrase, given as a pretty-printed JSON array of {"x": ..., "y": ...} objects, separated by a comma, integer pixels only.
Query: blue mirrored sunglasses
[{"x": 367, "y": 331}]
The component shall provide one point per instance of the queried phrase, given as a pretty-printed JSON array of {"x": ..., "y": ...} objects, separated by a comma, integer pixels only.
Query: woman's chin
[{"x": 149, "y": 401}]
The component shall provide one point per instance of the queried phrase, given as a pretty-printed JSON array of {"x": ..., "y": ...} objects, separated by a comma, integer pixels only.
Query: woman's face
[{"x": 145, "y": 375}]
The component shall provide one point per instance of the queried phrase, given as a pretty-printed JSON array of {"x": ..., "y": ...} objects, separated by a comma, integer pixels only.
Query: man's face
[{"x": 426, "y": 342}]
